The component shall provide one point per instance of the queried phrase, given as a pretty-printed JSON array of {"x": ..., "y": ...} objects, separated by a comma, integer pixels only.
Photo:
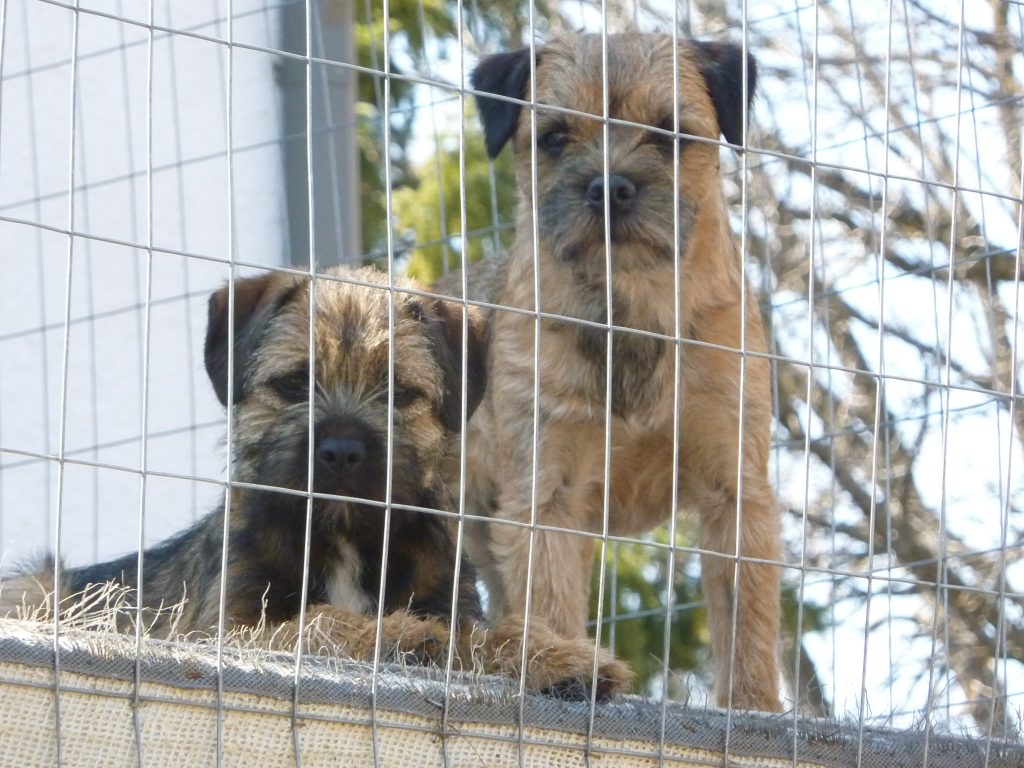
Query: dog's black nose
[
  {"x": 340, "y": 453},
  {"x": 621, "y": 193}
]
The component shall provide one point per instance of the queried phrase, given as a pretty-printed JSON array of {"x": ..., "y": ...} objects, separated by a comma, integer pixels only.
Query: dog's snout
[
  {"x": 340, "y": 453},
  {"x": 621, "y": 193},
  {"x": 346, "y": 456}
]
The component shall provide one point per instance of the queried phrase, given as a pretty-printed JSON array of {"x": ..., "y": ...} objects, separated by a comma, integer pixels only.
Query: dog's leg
[
  {"x": 641, "y": 499},
  {"x": 751, "y": 667},
  {"x": 641, "y": 495},
  {"x": 710, "y": 484},
  {"x": 559, "y": 578}
]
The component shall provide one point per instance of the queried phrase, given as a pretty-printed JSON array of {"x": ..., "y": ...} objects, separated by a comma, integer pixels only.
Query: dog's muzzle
[{"x": 344, "y": 455}]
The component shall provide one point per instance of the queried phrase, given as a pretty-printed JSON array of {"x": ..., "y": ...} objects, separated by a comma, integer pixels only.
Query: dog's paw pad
[
  {"x": 568, "y": 689},
  {"x": 607, "y": 689},
  {"x": 613, "y": 677}
]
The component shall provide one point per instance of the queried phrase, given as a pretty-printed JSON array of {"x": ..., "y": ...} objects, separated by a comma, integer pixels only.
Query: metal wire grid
[{"x": 29, "y": 214}]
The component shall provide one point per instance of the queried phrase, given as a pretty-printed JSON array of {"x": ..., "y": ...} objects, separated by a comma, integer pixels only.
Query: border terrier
[
  {"x": 359, "y": 325},
  {"x": 722, "y": 480}
]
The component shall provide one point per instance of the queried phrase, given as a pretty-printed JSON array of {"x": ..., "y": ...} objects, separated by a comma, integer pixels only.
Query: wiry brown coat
[
  {"x": 387, "y": 402},
  {"x": 719, "y": 377}
]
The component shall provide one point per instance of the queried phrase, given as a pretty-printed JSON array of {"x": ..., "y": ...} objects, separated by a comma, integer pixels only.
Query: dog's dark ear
[
  {"x": 721, "y": 64},
  {"x": 444, "y": 319},
  {"x": 256, "y": 301},
  {"x": 504, "y": 74}
]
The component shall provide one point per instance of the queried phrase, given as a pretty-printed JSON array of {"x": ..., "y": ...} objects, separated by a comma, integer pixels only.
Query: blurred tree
[
  {"x": 413, "y": 25},
  {"x": 884, "y": 228},
  {"x": 435, "y": 244},
  {"x": 636, "y": 604}
]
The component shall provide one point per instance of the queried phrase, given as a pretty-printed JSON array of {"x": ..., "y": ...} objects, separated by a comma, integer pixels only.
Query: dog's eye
[
  {"x": 665, "y": 140},
  {"x": 553, "y": 141},
  {"x": 403, "y": 395},
  {"x": 294, "y": 387}
]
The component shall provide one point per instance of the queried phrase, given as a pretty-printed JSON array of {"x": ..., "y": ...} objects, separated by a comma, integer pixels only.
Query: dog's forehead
[
  {"x": 639, "y": 71},
  {"x": 351, "y": 321},
  {"x": 357, "y": 327}
]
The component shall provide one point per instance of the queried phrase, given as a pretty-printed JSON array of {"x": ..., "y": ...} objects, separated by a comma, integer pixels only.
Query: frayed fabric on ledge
[{"x": 160, "y": 707}]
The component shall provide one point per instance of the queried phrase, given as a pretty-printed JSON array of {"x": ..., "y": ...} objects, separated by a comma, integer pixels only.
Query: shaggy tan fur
[{"x": 719, "y": 328}]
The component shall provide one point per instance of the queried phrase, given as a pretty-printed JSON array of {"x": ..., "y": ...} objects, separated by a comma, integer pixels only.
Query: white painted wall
[{"x": 106, "y": 372}]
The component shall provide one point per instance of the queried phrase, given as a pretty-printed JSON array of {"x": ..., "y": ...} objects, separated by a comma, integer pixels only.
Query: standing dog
[
  {"x": 359, "y": 326},
  {"x": 726, "y": 482}
]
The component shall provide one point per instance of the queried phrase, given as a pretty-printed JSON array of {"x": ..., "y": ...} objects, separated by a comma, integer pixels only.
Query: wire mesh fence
[{"x": 150, "y": 154}]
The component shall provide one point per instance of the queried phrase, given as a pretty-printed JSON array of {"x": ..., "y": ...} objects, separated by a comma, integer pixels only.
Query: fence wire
[{"x": 149, "y": 154}]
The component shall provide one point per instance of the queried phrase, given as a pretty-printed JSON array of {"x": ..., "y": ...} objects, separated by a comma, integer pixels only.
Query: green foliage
[
  {"x": 410, "y": 23},
  {"x": 505, "y": 24},
  {"x": 640, "y": 585},
  {"x": 373, "y": 202},
  {"x": 815, "y": 617},
  {"x": 411, "y": 26},
  {"x": 418, "y": 208},
  {"x": 423, "y": 188}
]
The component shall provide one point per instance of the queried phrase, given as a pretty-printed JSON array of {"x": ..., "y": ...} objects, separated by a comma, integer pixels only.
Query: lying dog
[{"x": 387, "y": 393}]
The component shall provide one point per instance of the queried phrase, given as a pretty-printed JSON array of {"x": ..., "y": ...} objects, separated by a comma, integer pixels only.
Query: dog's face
[
  {"x": 570, "y": 149},
  {"x": 352, "y": 344}
]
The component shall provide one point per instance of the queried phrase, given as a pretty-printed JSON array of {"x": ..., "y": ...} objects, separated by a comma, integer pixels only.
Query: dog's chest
[
  {"x": 637, "y": 358},
  {"x": 343, "y": 581}
]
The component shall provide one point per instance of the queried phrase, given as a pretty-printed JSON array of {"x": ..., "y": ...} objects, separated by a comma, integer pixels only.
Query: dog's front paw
[
  {"x": 336, "y": 631},
  {"x": 567, "y": 672},
  {"x": 613, "y": 677},
  {"x": 555, "y": 665},
  {"x": 327, "y": 630},
  {"x": 410, "y": 639}
]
